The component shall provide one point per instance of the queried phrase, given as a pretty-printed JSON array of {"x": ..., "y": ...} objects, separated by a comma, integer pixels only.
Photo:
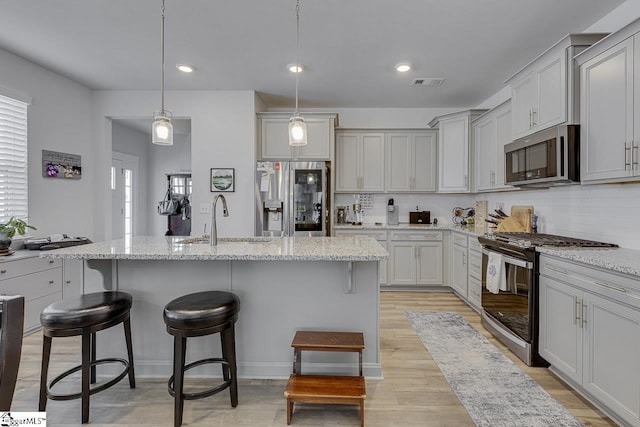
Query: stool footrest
[
  {"x": 206, "y": 393},
  {"x": 94, "y": 390}
]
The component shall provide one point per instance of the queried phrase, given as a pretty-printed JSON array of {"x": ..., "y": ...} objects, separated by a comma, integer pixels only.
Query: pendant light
[
  {"x": 162, "y": 129},
  {"x": 297, "y": 126}
]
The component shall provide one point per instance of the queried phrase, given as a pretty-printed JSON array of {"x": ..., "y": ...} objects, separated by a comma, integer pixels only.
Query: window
[{"x": 13, "y": 159}]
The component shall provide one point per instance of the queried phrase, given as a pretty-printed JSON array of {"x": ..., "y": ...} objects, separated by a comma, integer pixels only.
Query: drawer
[
  {"x": 378, "y": 235},
  {"x": 475, "y": 291},
  {"x": 615, "y": 286},
  {"x": 459, "y": 239},
  {"x": 35, "y": 285},
  {"x": 24, "y": 266},
  {"x": 474, "y": 245},
  {"x": 33, "y": 308},
  {"x": 475, "y": 265},
  {"x": 416, "y": 235}
]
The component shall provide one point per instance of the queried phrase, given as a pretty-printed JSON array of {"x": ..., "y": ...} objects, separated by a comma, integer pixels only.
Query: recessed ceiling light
[
  {"x": 403, "y": 68},
  {"x": 186, "y": 68},
  {"x": 295, "y": 69}
]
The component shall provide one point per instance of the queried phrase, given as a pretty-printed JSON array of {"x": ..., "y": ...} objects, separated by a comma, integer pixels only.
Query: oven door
[{"x": 513, "y": 307}]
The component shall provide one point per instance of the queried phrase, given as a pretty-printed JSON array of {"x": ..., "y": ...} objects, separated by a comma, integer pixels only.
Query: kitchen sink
[{"x": 222, "y": 240}]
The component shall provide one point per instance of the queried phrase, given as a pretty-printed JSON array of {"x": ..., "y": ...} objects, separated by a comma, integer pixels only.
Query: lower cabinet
[
  {"x": 459, "y": 274},
  {"x": 415, "y": 258},
  {"x": 474, "y": 271},
  {"x": 72, "y": 277},
  {"x": 590, "y": 333},
  {"x": 38, "y": 280},
  {"x": 380, "y": 236}
]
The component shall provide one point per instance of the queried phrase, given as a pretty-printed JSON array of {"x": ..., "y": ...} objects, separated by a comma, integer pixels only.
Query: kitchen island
[{"x": 284, "y": 285}]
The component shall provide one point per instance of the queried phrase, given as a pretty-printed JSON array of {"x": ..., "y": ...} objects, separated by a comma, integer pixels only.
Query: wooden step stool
[{"x": 342, "y": 390}]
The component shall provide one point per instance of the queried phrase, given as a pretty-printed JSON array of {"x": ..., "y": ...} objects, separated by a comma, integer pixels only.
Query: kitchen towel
[{"x": 496, "y": 280}]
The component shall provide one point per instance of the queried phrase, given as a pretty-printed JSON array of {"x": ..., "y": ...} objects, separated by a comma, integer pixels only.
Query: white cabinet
[
  {"x": 609, "y": 90},
  {"x": 589, "y": 333},
  {"x": 491, "y": 132},
  {"x": 459, "y": 274},
  {"x": 380, "y": 236},
  {"x": 415, "y": 258},
  {"x": 72, "y": 278},
  {"x": 38, "y": 280},
  {"x": 454, "y": 136},
  {"x": 359, "y": 161},
  {"x": 410, "y": 161},
  {"x": 545, "y": 92},
  {"x": 273, "y": 140},
  {"x": 474, "y": 270}
]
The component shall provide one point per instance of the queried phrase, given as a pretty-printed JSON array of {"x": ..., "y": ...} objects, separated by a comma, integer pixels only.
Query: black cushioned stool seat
[
  {"x": 85, "y": 315},
  {"x": 199, "y": 314}
]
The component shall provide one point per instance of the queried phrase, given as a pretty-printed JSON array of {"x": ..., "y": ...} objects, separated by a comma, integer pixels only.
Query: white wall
[
  {"x": 59, "y": 120},
  {"x": 222, "y": 136}
]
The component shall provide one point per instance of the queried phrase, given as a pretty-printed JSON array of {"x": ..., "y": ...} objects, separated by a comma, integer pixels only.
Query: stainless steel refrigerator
[{"x": 291, "y": 199}]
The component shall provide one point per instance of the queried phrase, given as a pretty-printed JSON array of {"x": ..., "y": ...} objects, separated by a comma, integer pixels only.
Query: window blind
[{"x": 13, "y": 159}]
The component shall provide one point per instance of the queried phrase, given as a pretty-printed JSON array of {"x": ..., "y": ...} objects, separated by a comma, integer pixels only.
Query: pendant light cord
[
  {"x": 162, "y": 78},
  {"x": 297, "y": 49}
]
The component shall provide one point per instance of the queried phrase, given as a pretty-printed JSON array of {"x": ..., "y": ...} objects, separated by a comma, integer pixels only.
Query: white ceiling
[{"x": 348, "y": 47}]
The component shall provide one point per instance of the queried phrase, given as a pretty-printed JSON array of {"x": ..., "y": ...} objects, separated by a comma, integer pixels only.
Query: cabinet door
[
  {"x": 72, "y": 278},
  {"x": 503, "y": 137},
  {"x": 383, "y": 265},
  {"x": 274, "y": 141},
  {"x": 348, "y": 149},
  {"x": 399, "y": 162},
  {"x": 551, "y": 108},
  {"x": 606, "y": 98},
  {"x": 560, "y": 335},
  {"x": 372, "y": 172},
  {"x": 612, "y": 351},
  {"x": 453, "y": 156},
  {"x": 424, "y": 162},
  {"x": 459, "y": 278},
  {"x": 485, "y": 146},
  {"x": 402, "y": 263},
  {"x": 523, "y": 98},
  {"x": 318, "y": 140},
  {"x": 429, "y": 255}
]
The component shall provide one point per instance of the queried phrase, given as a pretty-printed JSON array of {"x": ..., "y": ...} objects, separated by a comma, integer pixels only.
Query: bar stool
[
  {"x": 195, "y": 315},
  {"x": 85, "y": 315}
]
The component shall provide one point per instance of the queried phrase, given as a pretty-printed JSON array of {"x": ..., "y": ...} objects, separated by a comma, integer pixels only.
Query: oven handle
[{"x": 510, "y": 260}]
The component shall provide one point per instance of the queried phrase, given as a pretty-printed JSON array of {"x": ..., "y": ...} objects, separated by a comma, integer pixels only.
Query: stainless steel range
[{"x": 510, "y": 310}]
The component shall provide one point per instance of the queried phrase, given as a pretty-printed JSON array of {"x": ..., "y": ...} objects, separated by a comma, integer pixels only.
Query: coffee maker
[
  {"x": 392, "y": 213},
  {"x": 357, "y": 210}
]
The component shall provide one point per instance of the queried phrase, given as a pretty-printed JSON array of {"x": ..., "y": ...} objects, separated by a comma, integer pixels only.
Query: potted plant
[{"x": 9, "y": 228}]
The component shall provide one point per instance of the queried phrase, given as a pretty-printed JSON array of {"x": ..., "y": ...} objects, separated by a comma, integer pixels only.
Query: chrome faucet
[{"x": 213, "y": 238}]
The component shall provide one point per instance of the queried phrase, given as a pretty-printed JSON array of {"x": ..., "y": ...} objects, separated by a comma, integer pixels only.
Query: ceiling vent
[{"x": 428, "y": 81}]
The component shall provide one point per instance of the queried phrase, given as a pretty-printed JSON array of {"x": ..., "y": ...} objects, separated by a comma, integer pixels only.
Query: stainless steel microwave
[{"x": 546, "y": 158}]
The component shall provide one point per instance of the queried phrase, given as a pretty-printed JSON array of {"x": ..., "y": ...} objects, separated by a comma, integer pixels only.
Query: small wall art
[
  {"x": 222, "y": 179},
  {"x": 61, "y": 165}
]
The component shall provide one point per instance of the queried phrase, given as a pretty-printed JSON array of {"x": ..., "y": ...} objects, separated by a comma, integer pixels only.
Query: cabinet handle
[
  {"x": 625, "y": 156},
  {"x": 51, "y": 261},
  {"x": 584, "y": 315},
  {"x": 68, "y": 281},
  {"x": 533, "y": 116},
  {"x": 615, "y": 288},
  {"x": 466, "y": 180},
  {"x": 51, "y": 282},
  {"x": 576, "y": 310},
  {"x": 530, "y": 118},
  {"x": 634, "y": 148},
  {"x": 464, "y": 259},
  {"x": 3, "y": 271},
  {"x": 550, "y": 267}
]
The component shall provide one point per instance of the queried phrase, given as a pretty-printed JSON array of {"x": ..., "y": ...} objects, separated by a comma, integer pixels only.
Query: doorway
[{"x": 124, "y": 204}]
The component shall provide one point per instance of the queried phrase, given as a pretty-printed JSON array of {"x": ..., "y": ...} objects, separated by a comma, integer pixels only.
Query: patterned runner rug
[{"x": 494, "y": 390}]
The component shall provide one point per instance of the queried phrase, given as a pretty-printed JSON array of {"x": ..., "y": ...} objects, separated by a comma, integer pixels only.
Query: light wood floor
[{"x": 413, "y": 393}]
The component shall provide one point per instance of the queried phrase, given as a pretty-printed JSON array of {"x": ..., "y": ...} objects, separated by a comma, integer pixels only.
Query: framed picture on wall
[{"x": 222, "y": 179}]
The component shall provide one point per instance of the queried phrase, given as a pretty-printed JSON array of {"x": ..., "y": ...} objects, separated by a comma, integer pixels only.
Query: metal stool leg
[
  {"x": 93, "y": 358},
  {"x": 127, "y": 335},
  {"x": 229, "y": 353},
  {"x": 46, "y": 354}
]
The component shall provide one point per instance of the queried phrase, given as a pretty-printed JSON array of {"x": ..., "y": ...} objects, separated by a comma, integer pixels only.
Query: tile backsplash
[{"x": 606, "y": 212}]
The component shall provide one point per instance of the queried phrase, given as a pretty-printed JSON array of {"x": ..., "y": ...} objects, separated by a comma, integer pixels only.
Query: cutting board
[{"x": 522, "y": 214}]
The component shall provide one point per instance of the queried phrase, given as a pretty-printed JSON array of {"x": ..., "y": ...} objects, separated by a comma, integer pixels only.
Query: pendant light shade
[
  {"x": 297, "y": 126},
  {"x": 162, "y": 129}
]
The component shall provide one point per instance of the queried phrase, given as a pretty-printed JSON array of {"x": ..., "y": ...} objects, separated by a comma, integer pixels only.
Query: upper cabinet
[
  {"x": 454, "y": 136},
  {"x": 491, "y": 132},
  {"x": 545, "y": 92},
  {"x": 273, "y": 137},
  {"x": 610, "y": 89},
  {"x": 360, "y": 161},
  {"x": 410, "y": 161}
]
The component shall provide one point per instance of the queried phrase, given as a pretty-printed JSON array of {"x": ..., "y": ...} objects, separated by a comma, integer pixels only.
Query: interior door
[{"x": 124, "y": 170}]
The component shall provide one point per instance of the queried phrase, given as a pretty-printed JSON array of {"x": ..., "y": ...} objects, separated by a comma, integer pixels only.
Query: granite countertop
[
  {"x": 466, "y": 229},
  {"x": 616, "y": 259},
  {"x": 247, "y": 249}
]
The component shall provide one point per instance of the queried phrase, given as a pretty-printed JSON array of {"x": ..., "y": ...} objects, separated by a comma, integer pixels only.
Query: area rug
[{"x": 494, "y": 390}]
